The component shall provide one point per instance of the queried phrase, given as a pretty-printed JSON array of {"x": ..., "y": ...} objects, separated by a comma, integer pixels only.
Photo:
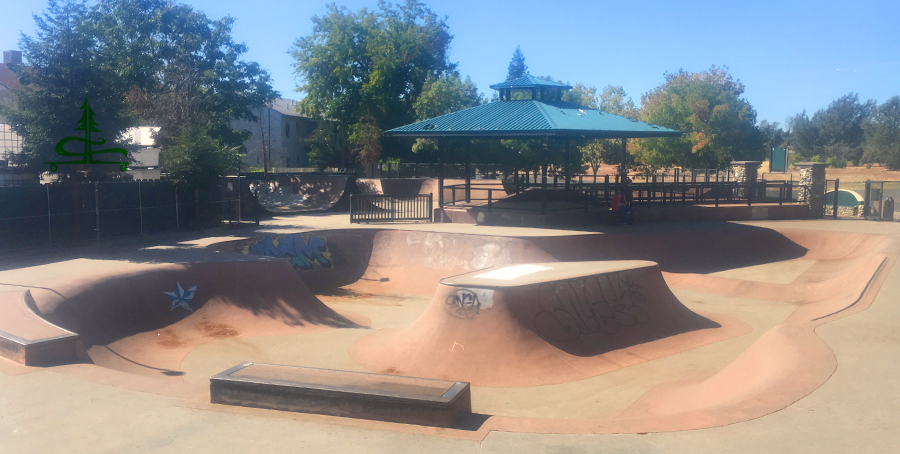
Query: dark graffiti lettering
[
  {"x": 464, "y": 303},
  {"x": 598, "y": 304},
  {"x": 303, "y": 254}
]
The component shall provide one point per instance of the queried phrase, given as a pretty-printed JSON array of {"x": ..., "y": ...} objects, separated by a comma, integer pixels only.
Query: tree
[
  {"x": 614, "y": 100},
  {"x": 517, "y": 67},
  {"x": 882, "y": 135},
  {"x": 324, "y": 149},
  {"x": 774, "y": 136},
  {"x": 64, "y": 66},
  {"x": 183, "y": 69},
  {"x": 445, "y": 94},
  {"x": 195, "y": 160},
  {"x": 840, "y": 127},
  {"x": 366, "y": 139},
  {"x": 440, "y": 96},
  {"x": 718, "y": 125},
  {"x": 370, "y": 65}
]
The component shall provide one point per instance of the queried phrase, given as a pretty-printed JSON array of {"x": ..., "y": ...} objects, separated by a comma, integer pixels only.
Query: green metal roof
[
  {"x": 531, "y": 118},
  {"x": 529, "y": 81}
]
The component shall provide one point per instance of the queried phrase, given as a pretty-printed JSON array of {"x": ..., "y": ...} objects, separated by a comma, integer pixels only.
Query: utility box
[{"x": 887, "y": 209}]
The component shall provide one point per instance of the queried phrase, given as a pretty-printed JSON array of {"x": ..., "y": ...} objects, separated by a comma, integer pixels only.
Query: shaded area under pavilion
[{"x": 529, "y": 108}]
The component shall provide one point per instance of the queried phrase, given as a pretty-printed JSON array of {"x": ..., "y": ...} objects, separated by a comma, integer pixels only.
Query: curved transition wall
[{"x": 505, "y": 345}]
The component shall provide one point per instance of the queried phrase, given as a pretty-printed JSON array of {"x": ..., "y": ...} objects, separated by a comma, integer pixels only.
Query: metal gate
[
  {"x": 387, "y": 208},
  {"x": 879, "y": 200}
]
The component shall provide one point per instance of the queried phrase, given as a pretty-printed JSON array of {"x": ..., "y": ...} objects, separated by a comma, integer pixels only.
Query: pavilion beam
[
  {"x": 546, "y": 149},
  {"x": 468, "y": 171}
]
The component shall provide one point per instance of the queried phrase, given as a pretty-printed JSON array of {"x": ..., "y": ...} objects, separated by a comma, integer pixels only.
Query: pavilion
[{"x": 529, "y": 108}]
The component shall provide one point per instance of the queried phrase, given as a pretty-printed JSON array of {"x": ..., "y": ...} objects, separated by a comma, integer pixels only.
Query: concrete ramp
[
  {"x": 147, "y": 320},
  {"x": 288, "y": 194},
  {"x": 541, "y": 323}
]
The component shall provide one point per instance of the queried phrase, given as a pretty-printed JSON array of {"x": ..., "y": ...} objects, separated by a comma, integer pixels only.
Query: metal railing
[
  {"x": 387, "y": 208},
  {"x": 600, "y": 194}
]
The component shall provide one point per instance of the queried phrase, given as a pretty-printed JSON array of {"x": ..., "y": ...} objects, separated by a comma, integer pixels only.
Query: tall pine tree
[{"x": 517, "y": 66}]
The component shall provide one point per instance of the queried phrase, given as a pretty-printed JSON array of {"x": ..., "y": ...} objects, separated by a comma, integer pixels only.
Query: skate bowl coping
[{"x": 341, "y": 393}]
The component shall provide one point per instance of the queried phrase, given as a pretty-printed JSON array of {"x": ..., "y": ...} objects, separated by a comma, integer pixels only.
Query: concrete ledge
[
  {"x": 361, "y": 395},
  {"x": 28, "y": 339}
]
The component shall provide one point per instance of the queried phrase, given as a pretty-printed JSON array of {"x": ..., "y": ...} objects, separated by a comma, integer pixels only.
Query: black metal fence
[
  {"x": 600, "y": 194},
  {"x": 39, "y": 215},
  {"x": 386, "y": 208}
]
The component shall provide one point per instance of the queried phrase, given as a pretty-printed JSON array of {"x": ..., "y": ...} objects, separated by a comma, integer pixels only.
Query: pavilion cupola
[{"x": 530, "y": 87}]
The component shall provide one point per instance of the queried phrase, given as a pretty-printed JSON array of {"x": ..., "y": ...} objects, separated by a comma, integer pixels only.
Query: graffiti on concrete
[
  {"x": 467, "y": 303},
  {"x": 489, "y": 254},
  {"x": 303, "y": 254},
  {"x": 581, "y": 307},
  {"x": 181, "y": 298}
]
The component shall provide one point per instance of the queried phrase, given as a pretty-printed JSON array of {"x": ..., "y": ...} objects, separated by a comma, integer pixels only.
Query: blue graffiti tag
[{"x": 304, "y": 254}]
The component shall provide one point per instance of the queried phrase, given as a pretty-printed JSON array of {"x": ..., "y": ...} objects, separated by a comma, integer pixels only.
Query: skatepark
[{"x": 768, "y": 336}]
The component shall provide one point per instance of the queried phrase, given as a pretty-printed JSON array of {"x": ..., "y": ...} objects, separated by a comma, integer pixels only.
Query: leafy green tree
[
  {"x": 517, "y": 67},
  {"x": 803, "y": 136},
  {"x": 440, "y": 96},
  {"x": 195, "y": 160},
  {"x": 64, "y": 65},
  {"x": 445, "y": 94},
  {"x": 882, "y": 135},
  {"x": 366, "y": 139},
  {"x": 773, "y": 134},
  {"x": 371, "y": 65},
  {"x": 614, "y": 100},
  {"x": 183, "y": 69},
  {"x": 718, "y": 125},
  {"x": 324, "y": 148},
  {"x": 840, "y": 127}
]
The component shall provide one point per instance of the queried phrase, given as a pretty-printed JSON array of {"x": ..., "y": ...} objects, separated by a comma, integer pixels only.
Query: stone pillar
[
  {"x": 812, "y": 187},
  {"x": 746, "y": 174}
]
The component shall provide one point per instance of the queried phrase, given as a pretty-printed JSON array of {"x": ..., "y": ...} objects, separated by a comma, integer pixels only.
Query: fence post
[
  {"x": 49, "y": 219},
  {"x": 97, "y": 207},
  {"x": 490, "y": 198},
  {"x": 867, "y": 199},
  {"x": 177, "y": 223},
  {"x": 837, "y": 186},
  {"x": 141, "y": 206},
  {"x": 606, "y": 188}
]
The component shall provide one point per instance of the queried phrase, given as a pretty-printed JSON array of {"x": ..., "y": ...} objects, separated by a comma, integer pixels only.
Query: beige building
[
  {"x": 9, "y": 141},
  {"x": 277, "y": 138}
]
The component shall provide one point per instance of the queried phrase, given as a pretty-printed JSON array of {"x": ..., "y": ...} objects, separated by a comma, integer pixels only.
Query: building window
[{"x": 287, "y": 130}]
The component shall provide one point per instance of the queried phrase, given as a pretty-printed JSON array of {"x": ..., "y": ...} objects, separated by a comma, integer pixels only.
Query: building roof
[
  {"x": 531, "y": 118},
  {"x": 8, "y": 78},
  {"x": 529, "y": 81},
  {"x": 286, "y": 107}
]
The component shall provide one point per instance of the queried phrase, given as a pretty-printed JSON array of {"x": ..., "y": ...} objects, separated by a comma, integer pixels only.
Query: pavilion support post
[
  {"x": 545, "y": 147},
  {"x": 568, "y": 166},
  {"x": 468, "y": 171},
  {"x": 441, "y": 148},
  {"x": 624, "y": 169}
]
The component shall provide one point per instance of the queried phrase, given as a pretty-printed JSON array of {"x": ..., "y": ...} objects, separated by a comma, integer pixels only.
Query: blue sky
[{"x": 791, "y": 55}]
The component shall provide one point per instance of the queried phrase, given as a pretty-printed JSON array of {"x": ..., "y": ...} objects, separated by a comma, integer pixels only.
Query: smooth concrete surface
[{"x": 85, "y": 408}]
